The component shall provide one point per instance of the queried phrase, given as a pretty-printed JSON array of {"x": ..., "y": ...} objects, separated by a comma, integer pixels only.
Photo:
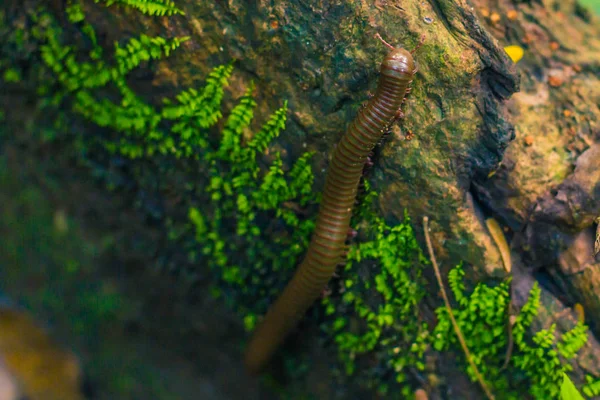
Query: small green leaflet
[{"x": 568, "y": 391}]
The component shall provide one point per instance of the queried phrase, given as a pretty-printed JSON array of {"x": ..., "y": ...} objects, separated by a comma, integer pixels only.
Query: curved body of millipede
[{"x": 326, "y": 248}]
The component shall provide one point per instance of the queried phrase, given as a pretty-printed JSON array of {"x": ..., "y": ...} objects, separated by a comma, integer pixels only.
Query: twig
[
  {"x": 461, "y": 338},
  {"x": 512, "y": 318},
  {"x": 597, "y": 243}
]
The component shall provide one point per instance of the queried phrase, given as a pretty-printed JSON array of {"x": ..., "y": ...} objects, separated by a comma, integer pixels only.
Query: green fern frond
[
  {"x": 199, "y": 222},
  {"x": 591, "y": 387},
  {"x": 455, "y": 281},
  {"x": 269, "y": 131},
  {"x": 572, "y": 341},
  {"x": 144, "y": 48},
  {"x": 76, "y": 15},
  {"x": 300, "y": 177},
  {"x": 212, "y": 94},
  {"x": 133, "y": 117},
  {"x": 540, "y": 360},
  {"x": 73, "y": 74},
  {"x": 149, "y": 7},
  {"x": 201, "y": 108},
  {"x": 245, "y": 217},
  {"x": 273, "y": 189},
  {"x": 390, "y": 329},
  {"x": 108, "y": 114},
  {"x": 545, "y": 338},
  {"x": 238, "y": 120},
  {"x": 482, "y": 319},
  {"x": 74, "y": 11},
  {"x": 197, "y": 111},
  {"x": 528, "y": 312}
]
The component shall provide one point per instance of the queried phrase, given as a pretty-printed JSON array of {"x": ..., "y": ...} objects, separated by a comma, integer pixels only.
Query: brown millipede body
[{"x": 327, "y": 246}]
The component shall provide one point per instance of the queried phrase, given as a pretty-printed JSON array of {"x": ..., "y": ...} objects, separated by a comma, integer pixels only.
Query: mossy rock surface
[{"x": 463, "y": 120}]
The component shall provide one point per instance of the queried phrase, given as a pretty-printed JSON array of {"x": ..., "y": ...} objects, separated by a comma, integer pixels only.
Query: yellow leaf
[
  {"x": 44, "y": 370},
  {"x": 514, "y": 52},
  {"x": 580, "y": 312},
  {"x": 500, "y": 240}
]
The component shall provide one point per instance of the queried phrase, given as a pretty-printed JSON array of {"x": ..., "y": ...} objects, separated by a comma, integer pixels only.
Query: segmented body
[{"x": 326, "y": 248}]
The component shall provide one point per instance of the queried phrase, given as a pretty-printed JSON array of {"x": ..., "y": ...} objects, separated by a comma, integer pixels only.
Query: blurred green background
[{"x": 593, "y": 4}]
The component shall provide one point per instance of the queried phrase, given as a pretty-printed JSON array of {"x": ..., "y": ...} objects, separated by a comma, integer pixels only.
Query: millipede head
[{"x": 399, "y": 63}]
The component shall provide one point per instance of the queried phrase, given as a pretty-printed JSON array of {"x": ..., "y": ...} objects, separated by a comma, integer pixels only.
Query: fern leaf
[
  {"x": 301, "y": 177},
  {"x": 455, "y": 281},
  {"x": 150, "y": 7},
  {"x": 143, "y": 48},
  {"x": 572, "y": 341},
  {"x": 273, "y": 189},
  {"x": 269, "y": 131},
  {"x": 203, "y": 107},
  {"x": 238, "y": 120}
]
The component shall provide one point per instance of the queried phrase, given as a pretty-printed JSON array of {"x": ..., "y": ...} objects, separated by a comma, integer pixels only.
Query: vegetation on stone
[{"x": 244, "y": 215}]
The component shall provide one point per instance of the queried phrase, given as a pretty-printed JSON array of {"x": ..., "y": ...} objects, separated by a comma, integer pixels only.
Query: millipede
[{"x": 327, "y": 244}]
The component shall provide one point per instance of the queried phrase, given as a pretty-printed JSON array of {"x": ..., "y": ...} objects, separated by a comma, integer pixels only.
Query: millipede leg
[
  {"x": 421, "y": 41},
  {"x": 352, "y": 233}
]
